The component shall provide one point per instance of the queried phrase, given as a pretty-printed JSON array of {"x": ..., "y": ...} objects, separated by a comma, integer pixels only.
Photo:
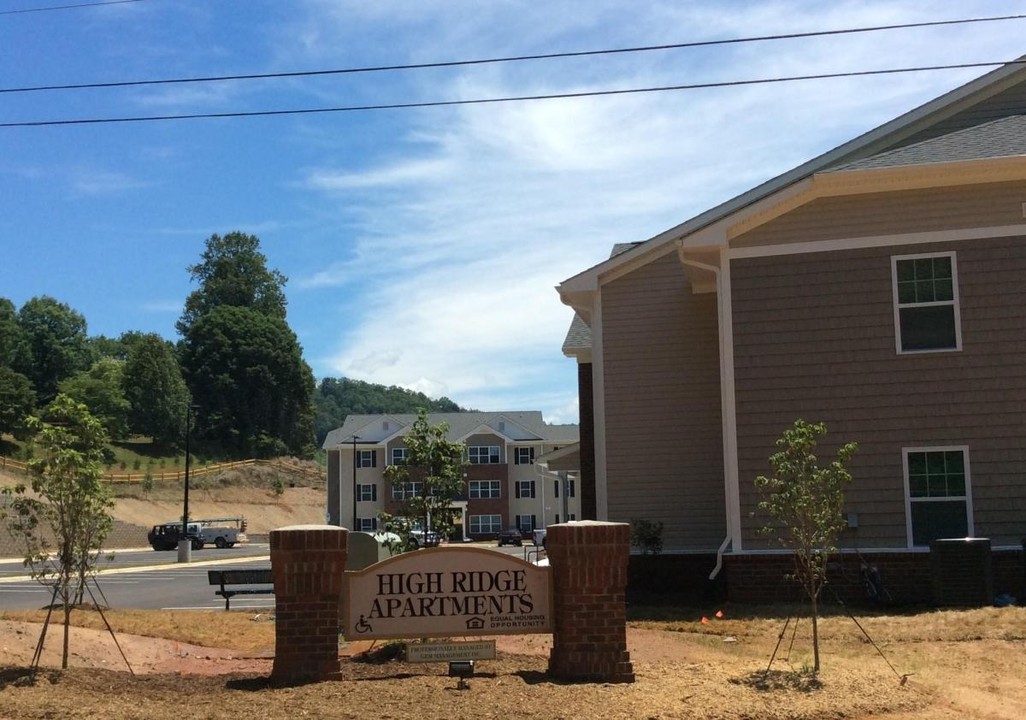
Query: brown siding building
[{"x": 880, "y": 289}]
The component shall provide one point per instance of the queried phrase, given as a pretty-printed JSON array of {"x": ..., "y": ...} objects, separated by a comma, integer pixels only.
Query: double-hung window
[
  {"x": 484, "y": 489},
  {"x": 399, "y": 455},
  {"x": 527, "y": 523},
  {"x": 938, "y": 494},
  {"x": 524, "y": 488},
  {"x": 484, "y": 524},
  {"x": 366, "y": 459},
  {"x": 483, "y": 454},
  {"x": 367, "y": 493},
  {"x": 367, "y": 524},
  {"x": 926, "y": 312},
  {"x": 525, "y": 456},
  {"x": 407, "y": 490}
]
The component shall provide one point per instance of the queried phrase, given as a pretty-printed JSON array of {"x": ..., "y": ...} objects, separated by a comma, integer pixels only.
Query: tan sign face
[{"x": 447, "y": 592}]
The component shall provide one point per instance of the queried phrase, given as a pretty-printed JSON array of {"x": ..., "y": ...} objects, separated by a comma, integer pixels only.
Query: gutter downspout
[{"x": 729, "y": 428}]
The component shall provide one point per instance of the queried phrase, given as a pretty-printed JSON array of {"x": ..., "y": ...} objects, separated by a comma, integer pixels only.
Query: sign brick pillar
[
  {"x": 307, "y": 562},
  {"x": 589, "y": 605}
]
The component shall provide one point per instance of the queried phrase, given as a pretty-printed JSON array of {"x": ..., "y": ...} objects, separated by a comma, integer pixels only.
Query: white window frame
[
  {"x": 524, "y": 456},
  {"x": 526, "y": 527},
  {"x": 954, "y": 302},
  {"x": 967, "y": 498},
  {"x": 477, "y": 522},
  {"x": 486, "y": 489},
  {"x": 407, "y": 490},
  {"x": 399, "y": 455},
  {"x": 520, "y": 486},
  {"x": 366, "y": 524},
  {"x": 366, "y": 492},
  {"x": 366, "y": 459},
  {"x": 475, "y": 452}
]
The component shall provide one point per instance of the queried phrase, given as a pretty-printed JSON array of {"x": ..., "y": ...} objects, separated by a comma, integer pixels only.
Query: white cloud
[{"x": 467, "y": 221}]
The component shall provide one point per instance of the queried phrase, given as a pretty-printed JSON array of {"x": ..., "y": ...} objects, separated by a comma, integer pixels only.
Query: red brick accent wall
[
  {"x": 307, "y": 562},
  {"x": 589, "y": 607}
]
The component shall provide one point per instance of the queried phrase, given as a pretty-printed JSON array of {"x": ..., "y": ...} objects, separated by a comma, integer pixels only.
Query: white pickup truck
[{"x": 220, "y": 532}]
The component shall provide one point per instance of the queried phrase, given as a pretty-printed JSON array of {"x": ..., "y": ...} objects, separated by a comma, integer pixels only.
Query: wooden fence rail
[{"x": 7, "y": 463}]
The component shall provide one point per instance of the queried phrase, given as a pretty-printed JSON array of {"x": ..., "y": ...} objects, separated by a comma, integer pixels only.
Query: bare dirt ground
[
  {"x": 955, "y": 665},
  {"x": 965, "y": 665}
]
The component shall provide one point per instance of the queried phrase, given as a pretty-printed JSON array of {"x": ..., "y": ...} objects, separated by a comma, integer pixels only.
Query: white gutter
[{"x": 728, "y": 414}]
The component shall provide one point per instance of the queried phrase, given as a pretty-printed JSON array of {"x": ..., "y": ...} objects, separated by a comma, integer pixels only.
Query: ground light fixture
[{"x": 463, "y": 670}]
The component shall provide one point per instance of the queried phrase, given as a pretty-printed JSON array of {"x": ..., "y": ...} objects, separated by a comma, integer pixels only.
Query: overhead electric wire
[
  {"x": 67, "y": 7},
  {"x": 508, "y": 99},
  {"x": 497, "y": 60}
]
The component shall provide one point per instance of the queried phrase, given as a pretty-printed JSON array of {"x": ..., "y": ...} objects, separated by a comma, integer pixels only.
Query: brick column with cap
[
  {"x": 589, "y": 575},
  {"x": 307, "y": 562}
]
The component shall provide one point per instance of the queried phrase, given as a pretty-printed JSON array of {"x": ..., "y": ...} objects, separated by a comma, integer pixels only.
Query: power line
[
  {"x": 509, "y": 59},
  {"x": 67, "y": 7},
  {"x": 509, "y": 99}
]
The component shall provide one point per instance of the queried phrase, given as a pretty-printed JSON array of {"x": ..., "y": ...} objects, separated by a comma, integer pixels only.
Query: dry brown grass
[{"x": 241, "y": 631}]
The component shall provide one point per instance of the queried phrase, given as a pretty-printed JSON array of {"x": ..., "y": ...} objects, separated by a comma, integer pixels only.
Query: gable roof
[
  {"x": 1005, "y": 137},
  {"x": 997, "y": 94},
  {"x": 514, "y": 426}
]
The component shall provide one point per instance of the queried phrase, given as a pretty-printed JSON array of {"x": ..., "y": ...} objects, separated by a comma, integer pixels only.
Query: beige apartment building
[{"x": 507, "y": 481}]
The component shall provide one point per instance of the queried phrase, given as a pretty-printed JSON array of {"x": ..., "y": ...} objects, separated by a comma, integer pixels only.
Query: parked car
[
  {"x": 538, "y": 537},
  {"x": 421, "y": 539},
  {"x": 511, "y": 537}
]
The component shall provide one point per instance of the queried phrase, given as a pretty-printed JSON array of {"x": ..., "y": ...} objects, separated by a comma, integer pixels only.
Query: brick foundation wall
[
  {"x": 307, "y": 562},
  {"x": 674, "y": 579},
  {"x": 905, "y": 576},
  {"x": 589, "y": 607}
]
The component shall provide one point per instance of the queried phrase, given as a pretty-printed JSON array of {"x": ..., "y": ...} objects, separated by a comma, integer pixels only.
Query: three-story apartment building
[{"x": 504, "y": 486}]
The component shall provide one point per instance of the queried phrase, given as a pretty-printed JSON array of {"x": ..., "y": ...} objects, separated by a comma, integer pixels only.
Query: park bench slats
[{"x": 254, "y": 576}]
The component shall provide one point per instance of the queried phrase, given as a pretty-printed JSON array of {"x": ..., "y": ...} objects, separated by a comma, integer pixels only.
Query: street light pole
[
  {"x": 354, "y": 528},
  {"x": 184, "y": 542}
]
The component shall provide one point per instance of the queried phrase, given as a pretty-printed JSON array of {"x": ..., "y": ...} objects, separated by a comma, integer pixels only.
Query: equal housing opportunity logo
[{"x": 447, "y": 592}]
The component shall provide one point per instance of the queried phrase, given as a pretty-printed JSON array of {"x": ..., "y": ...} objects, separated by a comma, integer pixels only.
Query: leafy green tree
[
  {"x": 241, "y": 361},
  {"x": 155, "y": 390},
  {"x": 10, "y": 332},
  {"x": 53, "y": 344},
  {"x": 247, "y": 376},
  {"x": 233, "y": 272},
  {"x": 805, "y": 502},
  {"x": 17, "y": 401},
  {"x": 437, "y": 464},
  {"x": 64, "y": 521},
  {"x": 101, "y": 389},
  {"x": 335, "y": 399}
]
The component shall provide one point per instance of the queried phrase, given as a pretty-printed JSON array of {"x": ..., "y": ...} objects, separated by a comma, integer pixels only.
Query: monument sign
[{"x": 447, "y": 592}]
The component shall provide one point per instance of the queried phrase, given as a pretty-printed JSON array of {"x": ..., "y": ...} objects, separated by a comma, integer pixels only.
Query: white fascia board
[
  {"x": 485, "y": 429},
  {"x": 860, "y": 243},
  {"x": 864, "y": 145}
]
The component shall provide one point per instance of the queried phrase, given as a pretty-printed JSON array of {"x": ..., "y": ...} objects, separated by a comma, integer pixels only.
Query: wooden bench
[{"x": 256, "y": 576}]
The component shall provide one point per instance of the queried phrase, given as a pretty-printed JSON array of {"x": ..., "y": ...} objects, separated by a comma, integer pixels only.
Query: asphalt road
[{"x": 145, "y": 579}]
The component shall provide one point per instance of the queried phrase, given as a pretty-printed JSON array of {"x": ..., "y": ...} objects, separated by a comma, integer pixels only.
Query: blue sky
[{"x": 422, "y": 246}]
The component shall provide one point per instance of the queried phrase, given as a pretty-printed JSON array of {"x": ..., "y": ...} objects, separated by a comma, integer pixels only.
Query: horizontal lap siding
[
  {"x": 814, "y": 338},
  {"x": 989, "y": 205},
  {"x": 662, "y": 397}
]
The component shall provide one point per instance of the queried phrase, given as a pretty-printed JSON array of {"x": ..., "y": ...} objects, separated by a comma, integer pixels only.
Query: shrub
[{"x": 647, "y": 535}]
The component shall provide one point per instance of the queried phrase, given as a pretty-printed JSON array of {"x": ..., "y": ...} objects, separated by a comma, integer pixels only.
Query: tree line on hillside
[{"x": 237, "y": 367}]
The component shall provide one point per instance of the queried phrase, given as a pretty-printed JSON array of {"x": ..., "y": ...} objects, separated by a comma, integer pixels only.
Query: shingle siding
[
  {"x": 662, "y": 397},
  {"x": 821, "y": 347}
]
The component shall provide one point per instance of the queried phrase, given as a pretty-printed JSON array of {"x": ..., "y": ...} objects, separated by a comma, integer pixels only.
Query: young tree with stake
[
  {"x": 805, "y": 502},
  {"x": 68, "y": 516}
]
